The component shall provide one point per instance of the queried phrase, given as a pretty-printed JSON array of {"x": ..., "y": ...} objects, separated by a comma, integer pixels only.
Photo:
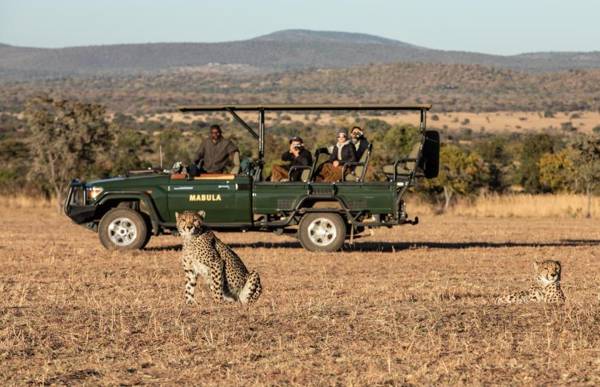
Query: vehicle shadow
[{"x": 398, "y": 246}]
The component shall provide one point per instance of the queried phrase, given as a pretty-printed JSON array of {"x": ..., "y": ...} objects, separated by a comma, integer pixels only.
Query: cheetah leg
[
  {"x": 251, "y": 290},
  {"x": 227, "y": 295},
  {"x": 217, "y": 281},
  {"x": 190, "y": 285}
]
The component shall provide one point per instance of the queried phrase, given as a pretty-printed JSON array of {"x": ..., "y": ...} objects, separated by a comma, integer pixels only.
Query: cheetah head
[
  {"x": 190, "y": 222},
  {"x": 547, "y": 272}
]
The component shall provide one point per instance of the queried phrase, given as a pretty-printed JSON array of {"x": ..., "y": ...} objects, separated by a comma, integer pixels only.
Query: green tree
[
  {"x": 14, "y": 164},
  {"x": 557, "y": 170},
  {"x": 534, "y": 146},
  {"x": 499, "y": 162},
  {"x": 574, "y": 169},
  {"x": 67, "y": 139},
  {"x": 130, "y": 147},
  {"x": 587, "y": 164},
  {"x": 174, "y": 147},
  {"x": 397, "y": 142},
  {"x": 461, "y": 173}
]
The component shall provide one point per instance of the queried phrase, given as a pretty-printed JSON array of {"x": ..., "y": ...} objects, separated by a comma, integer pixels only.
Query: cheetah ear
[
  {"x": 202, "y": 214},
  {"x": 176, "y": 215},
  {"x": 535, "y": 265}
]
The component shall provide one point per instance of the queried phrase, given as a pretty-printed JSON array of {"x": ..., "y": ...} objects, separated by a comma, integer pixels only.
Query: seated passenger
[
  {"x": 360, "y": 141},
  {"x": 297, "y": 155},
  {"x": 216, "y": 155},
  {"x": 343, "y": 152}
]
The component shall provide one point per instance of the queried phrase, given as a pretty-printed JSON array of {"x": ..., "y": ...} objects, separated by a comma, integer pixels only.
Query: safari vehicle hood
[{"x": 129, "y": 182}]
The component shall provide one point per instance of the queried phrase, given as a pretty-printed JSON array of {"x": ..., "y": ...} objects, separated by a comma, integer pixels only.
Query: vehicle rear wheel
[
  {"x": 123, "y": 229},
  {"x": 322, "y": 232}
]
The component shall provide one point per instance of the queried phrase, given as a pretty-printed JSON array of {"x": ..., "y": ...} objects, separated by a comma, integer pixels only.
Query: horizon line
[{"x": 295, "y": 29}]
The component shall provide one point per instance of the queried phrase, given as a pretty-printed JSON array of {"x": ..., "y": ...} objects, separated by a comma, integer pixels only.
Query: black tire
[
  {"x": 332, "y": 237},
  {"x": 123, "y": 229},
  {"x": 148, "y": 229}
]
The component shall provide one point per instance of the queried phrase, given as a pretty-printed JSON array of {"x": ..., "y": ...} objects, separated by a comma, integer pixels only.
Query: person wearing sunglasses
[{"x": 342, "y": 153}]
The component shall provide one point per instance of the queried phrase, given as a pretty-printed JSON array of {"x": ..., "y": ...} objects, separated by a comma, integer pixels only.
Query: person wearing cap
[
  {"x": 343, "y": 152},
  {"x": 297, "y": 155}
]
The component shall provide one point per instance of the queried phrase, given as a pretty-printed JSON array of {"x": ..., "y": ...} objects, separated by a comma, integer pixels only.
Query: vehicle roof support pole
[
  {"x": 243, "y": 123},
  {"x": 261, "y": 134},
  {"x": 422, "y": 121}
]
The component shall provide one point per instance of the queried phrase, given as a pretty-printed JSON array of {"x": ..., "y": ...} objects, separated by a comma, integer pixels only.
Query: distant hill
[
  {"x": 279, "y": 51},
  {"x": 449, "y": 87}
]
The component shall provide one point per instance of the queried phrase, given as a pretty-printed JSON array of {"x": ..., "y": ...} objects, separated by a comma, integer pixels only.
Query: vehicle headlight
[{"x": 92, "y": 193}]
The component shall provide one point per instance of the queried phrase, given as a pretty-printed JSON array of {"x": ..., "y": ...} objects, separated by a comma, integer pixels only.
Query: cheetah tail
[{"x": 252, "y": 289}]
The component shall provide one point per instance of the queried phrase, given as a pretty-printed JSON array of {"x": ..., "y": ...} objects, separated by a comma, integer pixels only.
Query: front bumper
[{"x": 75, "y": 206}]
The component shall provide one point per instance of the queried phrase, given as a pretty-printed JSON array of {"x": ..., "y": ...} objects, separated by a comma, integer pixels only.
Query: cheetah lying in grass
[
  {"x": 546, "y": 289},
  {"x": 207, "y": 256}
]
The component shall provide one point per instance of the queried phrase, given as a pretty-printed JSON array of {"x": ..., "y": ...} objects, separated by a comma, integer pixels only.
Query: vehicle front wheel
[
  {"x": 123, "y": 229},
  {"x": 322, "y": 232}
]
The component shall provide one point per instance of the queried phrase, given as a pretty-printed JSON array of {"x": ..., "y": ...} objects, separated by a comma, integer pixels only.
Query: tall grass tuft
[{"x": 27, "y": 201}]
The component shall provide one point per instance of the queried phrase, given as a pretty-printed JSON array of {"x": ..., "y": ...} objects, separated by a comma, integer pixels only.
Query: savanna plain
[{"x": 409, "y": 305}]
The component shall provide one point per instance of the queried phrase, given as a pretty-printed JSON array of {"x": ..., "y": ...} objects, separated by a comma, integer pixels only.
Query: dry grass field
[
  {"x": 516, "y": 206},
  {"x": 492, "y": 122},
  {"x": 405, "y": 306}
]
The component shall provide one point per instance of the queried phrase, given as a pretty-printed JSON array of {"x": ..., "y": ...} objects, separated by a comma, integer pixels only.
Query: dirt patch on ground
[{"x": 408, "y": 305}]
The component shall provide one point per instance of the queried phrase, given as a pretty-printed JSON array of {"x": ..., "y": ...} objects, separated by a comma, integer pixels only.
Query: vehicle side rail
[
  {"x": 299, "y": 210},
  {"x": 404, "y": 161},
  {"x": 313, "y": 170}
]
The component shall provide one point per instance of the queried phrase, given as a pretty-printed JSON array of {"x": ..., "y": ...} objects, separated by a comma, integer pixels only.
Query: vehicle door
[{"x": 225, "y": 198}]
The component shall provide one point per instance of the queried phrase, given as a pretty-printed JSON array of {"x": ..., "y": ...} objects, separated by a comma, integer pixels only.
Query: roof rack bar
[
  {"x": 301, "y": 107},
  {"x": 261, "y": 133}
]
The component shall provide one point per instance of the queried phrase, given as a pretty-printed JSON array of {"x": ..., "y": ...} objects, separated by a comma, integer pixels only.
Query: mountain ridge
[{"x": 285, "y": 50}]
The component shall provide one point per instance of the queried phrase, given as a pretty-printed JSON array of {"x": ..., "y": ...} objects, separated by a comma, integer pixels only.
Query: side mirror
[{"x": 430, "y": 156}]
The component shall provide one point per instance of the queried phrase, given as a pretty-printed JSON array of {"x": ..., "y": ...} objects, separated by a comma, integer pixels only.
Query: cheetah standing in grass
[
  {"x": 207, "y": 256},
  {"x": 546, "y": 289}
]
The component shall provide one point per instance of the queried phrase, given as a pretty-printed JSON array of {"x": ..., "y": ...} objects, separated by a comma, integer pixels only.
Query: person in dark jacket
[
  {"x": 297, "y": 155},
  {"x": 360, "y": 141},
  {"x": 343, "y": 152},
  {"x": 214, "y": 155}
]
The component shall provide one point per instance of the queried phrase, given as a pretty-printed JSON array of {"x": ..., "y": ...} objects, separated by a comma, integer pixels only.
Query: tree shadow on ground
[{"x": 398, "y": 246}]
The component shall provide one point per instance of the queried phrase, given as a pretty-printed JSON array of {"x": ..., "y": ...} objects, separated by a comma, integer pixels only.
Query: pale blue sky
[{"x": 498, "y": 27}]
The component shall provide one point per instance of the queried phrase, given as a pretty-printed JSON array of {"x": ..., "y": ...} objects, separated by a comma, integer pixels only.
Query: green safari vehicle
[{"x": 127, "y": 210}]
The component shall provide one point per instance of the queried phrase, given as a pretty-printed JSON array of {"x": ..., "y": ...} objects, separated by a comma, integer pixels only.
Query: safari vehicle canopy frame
[{"x": 262, "y": 109}]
